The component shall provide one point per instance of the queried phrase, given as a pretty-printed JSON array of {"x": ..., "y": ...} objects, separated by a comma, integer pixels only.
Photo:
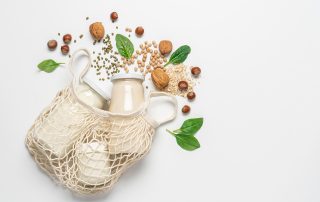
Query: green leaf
[
  {"x": 180, "y": 55},
  {"x": 185, "y": 135},
  {"x": 188, "y": 143},
  {"x": 124, "y": 46},
  {"x": 48, "y": 65},
  {"x": 190, "y": 126}
]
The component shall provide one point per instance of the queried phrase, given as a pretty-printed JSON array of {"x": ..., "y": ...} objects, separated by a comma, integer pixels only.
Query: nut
[
  {"x": 65, "y": 49},
  {"x": 139, "y": 31},
  {"x": 165, "y": 47},
  {"x": 97, "y": 30},
  {"x": 160, "y": 78},
  {"x": 114, "y": 16},
  {"x": 52, "y": 44},
  {"x": 185, "y": 109},
  {"x": 183, "y": 85},
  {"x": 195, "y": 71},
  {"x": 191, "y": 95},
  {"x": 67, "y": 38}
]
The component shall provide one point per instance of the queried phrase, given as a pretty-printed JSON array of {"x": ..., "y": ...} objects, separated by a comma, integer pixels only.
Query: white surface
[{"x": 259, "y": 95}]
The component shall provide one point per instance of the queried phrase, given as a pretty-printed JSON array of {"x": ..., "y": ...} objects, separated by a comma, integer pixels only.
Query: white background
[{"x": 259, "y": 95}]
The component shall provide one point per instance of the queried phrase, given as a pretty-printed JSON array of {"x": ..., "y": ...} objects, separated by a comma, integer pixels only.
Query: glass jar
[
  {"x": 127, "y": 93},
  {"x": 58, "y": 129}
]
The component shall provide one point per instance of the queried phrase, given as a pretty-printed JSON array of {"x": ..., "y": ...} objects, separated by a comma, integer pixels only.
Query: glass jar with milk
[
  {"x": 65, "y": 120},
  {"x": 97, "y": 164}
]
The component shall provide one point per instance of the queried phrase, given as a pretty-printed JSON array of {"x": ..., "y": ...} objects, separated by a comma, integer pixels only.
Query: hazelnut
[
  {"x": 52, "y": 44},
  {"x": 65, "y": 49},
  {"x": 165, "y": 47},
  {"x": 114, "y": 16},
  {"x": 195, "y": 71},
  {"x": 139, "y": 31},
  {"x": 160, "y": 78},
  {"x": 185, "y": 109},
  {"x": 67, "y": 38},
  {"x": 183, "y": 85},
  {"x": 97, "y": 30},
  {"x": 191, "y": 95}
]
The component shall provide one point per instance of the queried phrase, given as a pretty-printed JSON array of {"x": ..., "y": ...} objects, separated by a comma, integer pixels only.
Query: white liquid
[
  {"x": 127, "y": 96},
  {"x": 93, "y": 163},
  {"x": 57, "y": 131}
]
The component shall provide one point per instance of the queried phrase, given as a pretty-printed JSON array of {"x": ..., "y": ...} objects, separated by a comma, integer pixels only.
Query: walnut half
[
  {"x": 97, "y": 30},
  {"x": 160, "y": 78}
]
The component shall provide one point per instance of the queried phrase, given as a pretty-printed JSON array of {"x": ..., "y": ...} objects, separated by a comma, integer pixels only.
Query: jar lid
[{"x": 127, "y": 76}]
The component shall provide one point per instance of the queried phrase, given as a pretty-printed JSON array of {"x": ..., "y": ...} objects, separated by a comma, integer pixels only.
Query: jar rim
[{"x": 127, "y": 76}]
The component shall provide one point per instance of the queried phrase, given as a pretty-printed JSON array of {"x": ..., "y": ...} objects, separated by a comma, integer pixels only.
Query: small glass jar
[{"x": 127, "y": 93}]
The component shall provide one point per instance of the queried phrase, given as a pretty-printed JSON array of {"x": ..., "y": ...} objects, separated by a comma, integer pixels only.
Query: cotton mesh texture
[{"x": 84, "y": 151}]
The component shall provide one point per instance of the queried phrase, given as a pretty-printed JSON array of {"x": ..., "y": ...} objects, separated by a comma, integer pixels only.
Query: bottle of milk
[
  {"x": 98, "y": 161},
  {"x": 63, "y": 123},
  {"x": 127, "y": 96},
  {"x": 127, "y": 93}
]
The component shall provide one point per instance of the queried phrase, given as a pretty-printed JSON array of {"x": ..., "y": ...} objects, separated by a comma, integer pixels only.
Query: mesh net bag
[{"x": 87, "y": 149}]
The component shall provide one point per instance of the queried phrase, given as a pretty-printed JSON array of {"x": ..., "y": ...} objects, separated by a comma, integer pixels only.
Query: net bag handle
[
  {"x": 82, "y": 77},
  {"x": 71, "y": 61},
  {"x": 169, "y": 117}
]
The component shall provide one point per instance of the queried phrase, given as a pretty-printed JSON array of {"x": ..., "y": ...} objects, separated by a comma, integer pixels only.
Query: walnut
[
  {"x": 165, "y": 47},
  {"x": 160, "y": 78},
  {"x": 97, "y": 30}
]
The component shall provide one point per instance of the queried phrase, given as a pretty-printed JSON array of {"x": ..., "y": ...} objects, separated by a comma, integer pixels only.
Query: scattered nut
[
  {"x": 160, "y": 78},
  {"x": 165, "y": 47},
  {"x": 65, "y": 49},
  {"x": 191, "y": 95},
  {"x": 97, "y": 30},
  {"x": 195, "y": 71},
  {"x": 185, "y": 109},
  {"x": 52, "y": 44},
  {"x": 67, "y": 38},
  {"x": 114, "y": 16},
  {"x": 139, "y": 31},
  {"x": 183, "y": 85}
]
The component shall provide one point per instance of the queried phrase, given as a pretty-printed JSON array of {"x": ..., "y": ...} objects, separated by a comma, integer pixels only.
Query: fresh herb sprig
[
  {"x": 185, "y": 135},
  {"x": 49, "y": 65},
  {"x": 124, "y": 46},
  {"x": 179, "y": 56}
]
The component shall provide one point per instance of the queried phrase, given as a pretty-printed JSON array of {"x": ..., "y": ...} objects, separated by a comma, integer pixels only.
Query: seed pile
[
  {"x": 145, "y": 59},
  {"x": 106, "y": 61},
  {"x": 178, "y": 73}
]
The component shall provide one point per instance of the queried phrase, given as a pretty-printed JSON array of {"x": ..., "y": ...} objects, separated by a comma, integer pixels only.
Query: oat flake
[{"x": 178, "y": 73}]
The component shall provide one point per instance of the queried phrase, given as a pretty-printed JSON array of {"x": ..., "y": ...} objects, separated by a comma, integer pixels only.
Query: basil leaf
[
  {"x": 48, "y": 65},
  {"x": 190, "y": 126},
  {"x": 180, "y": 55},
  {"x": 124, "y": 46},
  {"x": 188, "y": 143}
]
